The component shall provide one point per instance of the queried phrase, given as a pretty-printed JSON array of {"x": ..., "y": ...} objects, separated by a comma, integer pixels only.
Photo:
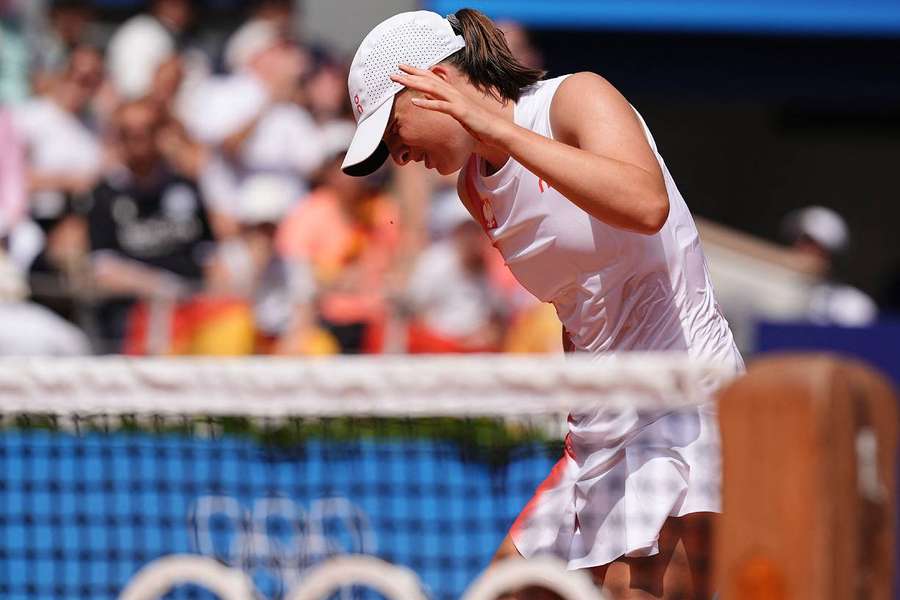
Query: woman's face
[{"x": 421, "y": 135}]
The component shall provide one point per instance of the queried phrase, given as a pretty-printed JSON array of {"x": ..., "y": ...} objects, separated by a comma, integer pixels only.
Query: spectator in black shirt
[{"x": 149, "y": 230}]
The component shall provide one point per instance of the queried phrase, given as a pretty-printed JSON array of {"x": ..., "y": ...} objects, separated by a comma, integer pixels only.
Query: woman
[{"x": 565, "y": 179}]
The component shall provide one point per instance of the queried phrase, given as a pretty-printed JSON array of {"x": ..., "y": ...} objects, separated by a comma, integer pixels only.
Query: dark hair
[{"x": 487, "y": 60}]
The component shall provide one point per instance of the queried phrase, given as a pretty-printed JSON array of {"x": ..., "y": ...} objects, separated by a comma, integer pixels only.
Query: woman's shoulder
[
  {"x": 582, "y": 81},
  {"x": 581, "y": 87},
  {"x": 586, "y": 96}
]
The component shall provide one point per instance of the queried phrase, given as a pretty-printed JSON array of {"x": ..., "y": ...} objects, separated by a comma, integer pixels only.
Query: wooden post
[{"x": 808, "y": 448}]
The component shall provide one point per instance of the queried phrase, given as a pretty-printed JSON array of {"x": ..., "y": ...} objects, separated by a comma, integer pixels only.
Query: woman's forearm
[{"x": 615, "y": 192}]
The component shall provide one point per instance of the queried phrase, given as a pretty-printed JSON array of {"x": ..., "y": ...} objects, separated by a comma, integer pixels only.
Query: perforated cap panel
[
  {"x": 420, "y": 38},
  {"x": 410, "y": 43}
]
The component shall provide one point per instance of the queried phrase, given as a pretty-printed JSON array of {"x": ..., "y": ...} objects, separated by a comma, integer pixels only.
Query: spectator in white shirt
[
  {"x": 823, "y": 233},
  {"x": 454, "y": 305},
  {"x": 249, "y": 266},
  {"x": 26, "y": 329},
  {"x": 63, "y": 153},
  {"x": 251, "y": 117},
  {"x": 62, "y": 161}
]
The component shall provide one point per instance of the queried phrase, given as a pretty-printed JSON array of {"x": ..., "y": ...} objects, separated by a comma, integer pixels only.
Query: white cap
[
  {"x": 822, "y": 225},
  {"x": 420, "y": 39},
  {"x": 136, "y": 51},
  {"x": 447, "y": 213},
  {"x": 250, "y": 39},
  {"x": 265, "y": 198},
  {"x": 336, "y": 137}
]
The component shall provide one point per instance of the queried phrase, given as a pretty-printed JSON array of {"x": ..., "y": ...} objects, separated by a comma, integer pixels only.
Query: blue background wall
[{"x": 866, "y": 17}]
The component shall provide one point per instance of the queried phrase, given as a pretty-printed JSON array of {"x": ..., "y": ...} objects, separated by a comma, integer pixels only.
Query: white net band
[{"x": 475, "y": 385}]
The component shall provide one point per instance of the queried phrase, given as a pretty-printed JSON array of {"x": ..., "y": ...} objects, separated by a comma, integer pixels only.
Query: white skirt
[{"x": 623, "y": 474}]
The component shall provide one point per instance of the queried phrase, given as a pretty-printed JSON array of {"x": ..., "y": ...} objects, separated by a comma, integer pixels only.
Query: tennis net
[{"x": 271, "y": 467}]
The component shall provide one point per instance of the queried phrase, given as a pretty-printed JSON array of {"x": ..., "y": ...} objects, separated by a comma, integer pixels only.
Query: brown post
[{"x": 808, "y": 448}]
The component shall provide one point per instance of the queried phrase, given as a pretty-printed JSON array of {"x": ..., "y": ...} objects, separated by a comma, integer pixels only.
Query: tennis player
[{"x": 566, "y": 180}]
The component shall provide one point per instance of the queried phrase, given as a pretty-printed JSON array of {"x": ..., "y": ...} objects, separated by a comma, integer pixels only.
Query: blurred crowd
[{"x": 162, "y": 196}]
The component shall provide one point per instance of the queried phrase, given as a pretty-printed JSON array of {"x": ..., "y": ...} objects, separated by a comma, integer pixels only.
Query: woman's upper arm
[{"x": 589, "y": 113}]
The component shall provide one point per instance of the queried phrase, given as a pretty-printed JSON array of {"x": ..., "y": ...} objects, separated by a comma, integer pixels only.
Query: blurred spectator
[
  {"x": 26, "y": 329},
  {"x": 187, "y": 156},
  {"x": 13, "y": 196},
  {"x": 535, "y": 329},
  {"x": 62, "y": 148},
  {"x": 63, "y": 162},
  {"x": 274, "y": 13},
  {"x": 149, "y": 231},
  {"x": 520, "y": 45},
  {"x": 325, "y": 90},
  {"x": 248, "y": 266},
  {"x": 821, "y": 233},
  {"x": 444, "y": 210},
  {"x": 347, "y": 231},
  {"x": 143, "y": 43},
  {"x": 251, "y": 120},
  {"x": 14, "y": 51},
  {"x": 278, "y": 12},
  {"x": 454, "y": 305},
  {"x": 68, "y": 26}
]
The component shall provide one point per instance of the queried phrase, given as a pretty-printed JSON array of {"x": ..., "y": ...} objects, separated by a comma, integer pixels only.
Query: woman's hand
[{"x": 442, "y": 97}]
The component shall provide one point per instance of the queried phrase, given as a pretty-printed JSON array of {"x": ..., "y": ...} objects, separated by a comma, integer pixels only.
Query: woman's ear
[{"x": 443, "y": 72}]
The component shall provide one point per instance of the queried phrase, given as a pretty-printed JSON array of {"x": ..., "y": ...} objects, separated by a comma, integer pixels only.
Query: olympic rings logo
[
  {"x": 391, "y": 581},
  {"x": 276, "y": 537}
]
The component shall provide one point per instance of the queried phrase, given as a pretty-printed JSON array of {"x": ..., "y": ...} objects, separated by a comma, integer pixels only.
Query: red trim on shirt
[{"x": 483, "y": 207}]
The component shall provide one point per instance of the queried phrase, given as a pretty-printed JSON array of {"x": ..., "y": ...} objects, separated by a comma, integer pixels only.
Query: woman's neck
[{"x": 494, "y": 157}]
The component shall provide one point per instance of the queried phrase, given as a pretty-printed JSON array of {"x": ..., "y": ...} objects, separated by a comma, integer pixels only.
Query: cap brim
[{"x": 367, "y": 151}]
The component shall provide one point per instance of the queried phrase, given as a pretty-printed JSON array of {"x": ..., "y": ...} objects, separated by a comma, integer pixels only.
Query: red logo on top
[
  {"x": 357, "y": 103},
  {"x": 487, "y": 211}
]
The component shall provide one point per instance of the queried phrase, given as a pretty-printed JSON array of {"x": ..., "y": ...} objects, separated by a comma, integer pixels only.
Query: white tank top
[{"x": 612, "y": 289}]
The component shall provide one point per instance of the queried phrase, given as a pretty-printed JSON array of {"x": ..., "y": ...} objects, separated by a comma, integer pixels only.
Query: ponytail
[{"x": 487, "y": 60}]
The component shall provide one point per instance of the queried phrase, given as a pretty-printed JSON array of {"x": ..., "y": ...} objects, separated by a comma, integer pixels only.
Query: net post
[{"x": 825, "y": 429}]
